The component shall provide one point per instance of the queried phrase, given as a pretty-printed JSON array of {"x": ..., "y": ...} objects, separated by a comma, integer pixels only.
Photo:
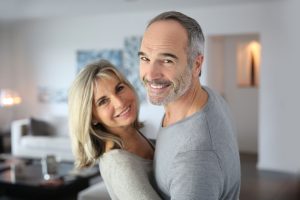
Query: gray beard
[{"x": 179, "y": 89}]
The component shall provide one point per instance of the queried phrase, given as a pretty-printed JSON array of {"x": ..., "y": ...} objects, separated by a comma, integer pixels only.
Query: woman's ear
[{"x": 94, "y": 122}]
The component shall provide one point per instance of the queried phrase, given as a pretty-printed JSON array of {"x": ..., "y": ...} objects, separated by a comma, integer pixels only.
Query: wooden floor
[{"x": 266, "y": 185}]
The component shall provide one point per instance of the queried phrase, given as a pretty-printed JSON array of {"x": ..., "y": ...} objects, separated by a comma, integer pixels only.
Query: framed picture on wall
[{"x": 126, "y": 60}]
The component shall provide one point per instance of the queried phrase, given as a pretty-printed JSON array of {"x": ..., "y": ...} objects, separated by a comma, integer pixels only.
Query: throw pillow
[{"x": 40, "y": 128}]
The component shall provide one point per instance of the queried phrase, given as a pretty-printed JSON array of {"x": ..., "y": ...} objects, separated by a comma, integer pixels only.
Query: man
[{"x": 196, "y": 154}]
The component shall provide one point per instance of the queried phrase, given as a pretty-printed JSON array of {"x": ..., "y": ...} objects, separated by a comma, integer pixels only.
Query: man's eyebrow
[
  {"x": 169, "y": 55},
  {"x": 140, "y": 53}
]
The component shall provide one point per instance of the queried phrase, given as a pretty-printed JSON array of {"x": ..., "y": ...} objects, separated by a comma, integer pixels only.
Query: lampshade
[{"x": 9, "y": 98}]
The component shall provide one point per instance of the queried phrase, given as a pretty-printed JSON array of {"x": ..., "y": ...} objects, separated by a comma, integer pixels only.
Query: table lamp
[{"x": 9, "y": 98}]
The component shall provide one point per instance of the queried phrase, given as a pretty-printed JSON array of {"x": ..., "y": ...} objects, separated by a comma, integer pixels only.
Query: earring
[{"x": 94, "y": 123}]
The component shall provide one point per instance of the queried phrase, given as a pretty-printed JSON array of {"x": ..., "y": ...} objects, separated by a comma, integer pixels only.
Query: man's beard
[{"x": 180, "y": 86}]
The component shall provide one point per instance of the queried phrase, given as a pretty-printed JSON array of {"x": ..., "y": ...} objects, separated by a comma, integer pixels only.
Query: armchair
[{"x": 26, "y": 144}]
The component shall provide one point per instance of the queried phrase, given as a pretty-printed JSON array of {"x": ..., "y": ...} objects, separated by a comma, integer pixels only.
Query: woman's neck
[
  {"x": 123, "y": 132},
  {"x": 135, "y": 143}
]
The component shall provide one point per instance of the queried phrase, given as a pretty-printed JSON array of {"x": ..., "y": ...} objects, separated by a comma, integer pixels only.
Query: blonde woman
[{"x": 104, "y": 126}]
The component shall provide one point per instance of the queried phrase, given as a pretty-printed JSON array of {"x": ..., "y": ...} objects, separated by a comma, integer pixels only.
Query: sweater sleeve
[
  {"x": 126, "y": 179},
  {"x": 196, "y": 175}
]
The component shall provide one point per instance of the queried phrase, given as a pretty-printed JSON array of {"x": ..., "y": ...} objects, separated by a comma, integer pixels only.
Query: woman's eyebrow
[
  {"x": 140, "y": 53},
  {"x": 100, "y": 99}
]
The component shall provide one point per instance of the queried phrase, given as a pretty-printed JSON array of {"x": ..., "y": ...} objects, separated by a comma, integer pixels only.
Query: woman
[{"x": 103, "y": 120}]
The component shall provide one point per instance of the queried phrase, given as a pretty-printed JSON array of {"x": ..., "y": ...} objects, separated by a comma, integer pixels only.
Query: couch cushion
[
  {"x": 44, "y": 142},
  {"x": 40, "y": 128}
]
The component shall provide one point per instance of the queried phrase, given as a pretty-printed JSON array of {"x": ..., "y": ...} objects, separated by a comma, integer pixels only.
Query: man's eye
[
  {"x": 168, "y": 61},
  {"x": 144, "y": 58}
]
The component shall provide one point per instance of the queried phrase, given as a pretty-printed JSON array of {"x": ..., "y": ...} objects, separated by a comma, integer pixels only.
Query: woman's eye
[
  {"x": 120, "y": 88},
  {"x": 102, "y": 102}
]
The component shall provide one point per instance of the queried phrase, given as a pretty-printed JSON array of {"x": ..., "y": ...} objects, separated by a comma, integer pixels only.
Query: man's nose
[{"x": 153, "y": 71}]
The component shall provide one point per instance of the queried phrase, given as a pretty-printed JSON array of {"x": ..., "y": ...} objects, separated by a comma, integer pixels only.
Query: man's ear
[{"x": 198, "y": 65}]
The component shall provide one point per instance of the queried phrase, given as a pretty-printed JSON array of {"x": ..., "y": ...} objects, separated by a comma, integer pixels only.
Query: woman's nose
[{"x": 118, "y": 101}]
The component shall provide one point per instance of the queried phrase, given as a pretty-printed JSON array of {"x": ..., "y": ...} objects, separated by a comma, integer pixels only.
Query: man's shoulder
[{"x": 195, "y": 136}]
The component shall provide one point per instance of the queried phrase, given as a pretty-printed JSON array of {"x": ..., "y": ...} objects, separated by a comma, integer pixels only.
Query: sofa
[{"x": 35, "y": 138}]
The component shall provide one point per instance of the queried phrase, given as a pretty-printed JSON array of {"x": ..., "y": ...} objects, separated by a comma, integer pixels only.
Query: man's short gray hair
[{"x": 194, "y": 31}]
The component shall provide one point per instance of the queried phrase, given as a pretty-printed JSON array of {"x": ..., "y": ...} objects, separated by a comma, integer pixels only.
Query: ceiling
[{"x": 30, "y": 9}]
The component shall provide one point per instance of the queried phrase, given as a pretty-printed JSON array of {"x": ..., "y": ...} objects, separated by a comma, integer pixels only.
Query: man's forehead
[
  {"x": 166, "y": 29},
  {"x": 162, "y": 49},
  {"x": 164, "y": 39}
]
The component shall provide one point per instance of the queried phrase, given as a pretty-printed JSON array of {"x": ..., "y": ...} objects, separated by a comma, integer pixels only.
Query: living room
[{"x": 39, "y": 60}]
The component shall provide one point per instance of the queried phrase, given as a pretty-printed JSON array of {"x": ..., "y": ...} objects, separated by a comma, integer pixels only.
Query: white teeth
[
  {"x": 156, "y": 86},
  {"x": 124, "y": 112}
]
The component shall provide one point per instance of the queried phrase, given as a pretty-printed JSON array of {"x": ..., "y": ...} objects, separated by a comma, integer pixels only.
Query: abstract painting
[
  {"x": 126, "y": 60},
  {"x": 131, "y": 64},
  {"x": 85, "y": 57},
  {"x": 51, "y": 95}
]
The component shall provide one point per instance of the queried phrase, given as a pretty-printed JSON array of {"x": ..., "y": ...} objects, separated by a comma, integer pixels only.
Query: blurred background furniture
[
  {"x": 33, "y": 138},
  {"x": 24, "y": 179},
  {"x": 4, "y": 135}
]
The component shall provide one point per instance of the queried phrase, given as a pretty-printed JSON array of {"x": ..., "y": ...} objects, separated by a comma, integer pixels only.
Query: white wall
[
  {"x": 279, "y": 94},
  {"x": 6, "y": 72},
  {"x": 44, "y": 53}
]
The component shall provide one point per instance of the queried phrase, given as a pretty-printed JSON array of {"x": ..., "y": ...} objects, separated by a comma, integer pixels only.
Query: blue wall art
[
  {"x": 52, "y": 95},
  {"x": 85, "y": 57},
  {"x": 131, "y": 64},
  {"x": 126, "y": 60}
]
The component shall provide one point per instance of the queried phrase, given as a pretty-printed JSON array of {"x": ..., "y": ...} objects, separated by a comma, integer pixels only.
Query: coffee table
[{"x": 29, "y": 183}]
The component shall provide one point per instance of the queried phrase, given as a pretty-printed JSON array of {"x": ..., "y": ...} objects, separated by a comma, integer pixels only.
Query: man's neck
[{"x": 188, "y": 104}]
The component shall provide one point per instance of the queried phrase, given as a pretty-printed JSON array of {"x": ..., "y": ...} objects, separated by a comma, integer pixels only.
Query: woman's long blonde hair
[{"x": 88, "y": 140}]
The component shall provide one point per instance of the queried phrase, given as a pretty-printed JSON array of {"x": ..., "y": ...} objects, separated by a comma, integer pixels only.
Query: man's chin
[{"x": 156, "y": 101}]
